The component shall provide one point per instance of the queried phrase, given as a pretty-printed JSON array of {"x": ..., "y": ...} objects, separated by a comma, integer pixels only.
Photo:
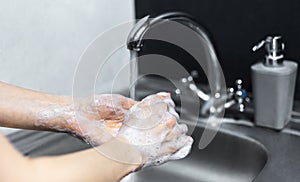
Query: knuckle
[{"x": 171, "y": 122}]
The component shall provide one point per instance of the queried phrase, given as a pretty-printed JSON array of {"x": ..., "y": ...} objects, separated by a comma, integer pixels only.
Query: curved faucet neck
[{"x": 135, "y": 37}]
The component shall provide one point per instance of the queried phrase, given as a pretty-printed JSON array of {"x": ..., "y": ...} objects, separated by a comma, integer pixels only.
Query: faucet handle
[
  {"x": 238, "y": 83},
  {"x": 188, "y": 82},
  {"x": 195, "y": 74},
  {"x": 238, "y": 95}
]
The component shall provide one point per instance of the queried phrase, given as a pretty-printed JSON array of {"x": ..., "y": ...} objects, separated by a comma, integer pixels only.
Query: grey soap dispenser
[{"x": 273, "y": 85}]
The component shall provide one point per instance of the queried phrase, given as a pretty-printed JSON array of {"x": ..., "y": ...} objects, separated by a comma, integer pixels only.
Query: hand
[
  {"x": 151, "y": 127},
  {"x": 97, "y": 119}
]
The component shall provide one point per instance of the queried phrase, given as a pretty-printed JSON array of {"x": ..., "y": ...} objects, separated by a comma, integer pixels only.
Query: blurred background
[{"x": 42, "y": 40}]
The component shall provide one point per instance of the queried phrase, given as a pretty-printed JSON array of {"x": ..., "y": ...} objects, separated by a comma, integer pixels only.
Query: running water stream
[{"x": 133, "y": 73}]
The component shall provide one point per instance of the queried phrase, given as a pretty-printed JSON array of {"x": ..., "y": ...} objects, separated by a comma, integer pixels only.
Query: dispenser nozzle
[{"x": 274, "y": 50}]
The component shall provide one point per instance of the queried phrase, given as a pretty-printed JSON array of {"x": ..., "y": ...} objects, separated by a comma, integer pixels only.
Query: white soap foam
[{"x": 153, "y": 145}]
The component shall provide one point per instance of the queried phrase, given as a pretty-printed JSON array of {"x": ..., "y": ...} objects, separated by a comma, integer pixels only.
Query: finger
[
  {"x": 184, "y": 150},
  {"x": 127, "y": 103},
  {"x": 150, "y": 120},
  {"x": 170, "y": 121},
  {"x": 177, "y": 131},
  {"x": 173, "y": 146},
  {"x": 159, "y": 109},
  {"x": 172, "y": 111},
  {"x": 166, "y": 98},
  {"x": 168, "y": 148},
  {"x": 183, "y": 128},
  {"x": 113, "y": 128},
  {"x": 160, "y": 97},
  {"x": 153, "y": 112},
  {"x": 163, "y": 95},
  {"x": 164, "y": 128},
  {"x": 115, "y": 100}
]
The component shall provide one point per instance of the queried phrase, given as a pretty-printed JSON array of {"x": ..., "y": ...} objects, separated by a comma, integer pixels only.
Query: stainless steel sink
[{"x": 229, "y": 157}]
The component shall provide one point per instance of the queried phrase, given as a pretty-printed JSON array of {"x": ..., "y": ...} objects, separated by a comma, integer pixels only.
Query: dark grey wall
[{"x": 234, "y": 26}]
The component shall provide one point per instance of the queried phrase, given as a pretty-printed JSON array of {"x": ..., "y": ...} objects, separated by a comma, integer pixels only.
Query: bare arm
[
  {"x": 23, "y": 108},
  {"x": 86, "y": 165},
  {"x": 28, "y": 109}
]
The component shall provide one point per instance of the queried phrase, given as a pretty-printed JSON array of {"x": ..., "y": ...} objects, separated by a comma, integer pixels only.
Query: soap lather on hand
[{"x": 151, "y": 127}]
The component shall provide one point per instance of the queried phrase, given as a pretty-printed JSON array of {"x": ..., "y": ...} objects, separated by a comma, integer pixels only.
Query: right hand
[
  {"x": 98, "y": 119},
  {"x": 151, "y": 127}
]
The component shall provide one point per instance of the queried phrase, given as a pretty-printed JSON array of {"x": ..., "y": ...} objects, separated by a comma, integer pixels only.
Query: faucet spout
[{"x": 135, "y": 37}]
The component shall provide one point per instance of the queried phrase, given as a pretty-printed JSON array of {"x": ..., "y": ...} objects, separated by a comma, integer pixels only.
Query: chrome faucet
[{"x": 135, "y": 44}]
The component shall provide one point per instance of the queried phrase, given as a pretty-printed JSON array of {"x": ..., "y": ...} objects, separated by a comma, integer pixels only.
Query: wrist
[
  {"x": 56, "y": 115},
  {"x": 124, "y": 157}
]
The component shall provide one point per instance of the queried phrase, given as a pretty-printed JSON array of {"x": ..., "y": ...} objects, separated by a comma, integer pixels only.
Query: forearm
[
  {"x": 28, "y": 109},
  {"x": 88, "y": 165},
  {"x": 13, "y": 166}
]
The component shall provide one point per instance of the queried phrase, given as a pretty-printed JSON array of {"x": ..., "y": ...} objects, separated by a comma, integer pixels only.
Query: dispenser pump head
[{"x": 274, "y": 50}]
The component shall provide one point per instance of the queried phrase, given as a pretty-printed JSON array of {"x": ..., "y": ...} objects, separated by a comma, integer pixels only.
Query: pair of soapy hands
[{"x": 150, "y": 125}]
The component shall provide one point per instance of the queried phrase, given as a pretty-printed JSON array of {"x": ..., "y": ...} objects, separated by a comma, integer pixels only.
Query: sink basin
[{"x": 230, "y": 157}]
